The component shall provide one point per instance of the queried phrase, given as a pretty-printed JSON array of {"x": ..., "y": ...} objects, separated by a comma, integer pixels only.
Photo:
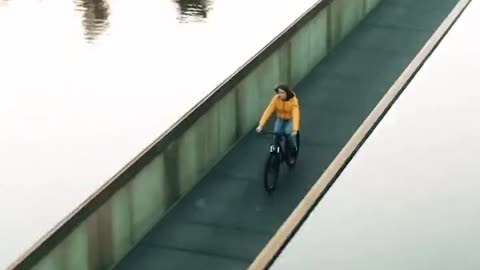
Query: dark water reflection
[
  {"x": 193, "y": 10},
  {"x": 95, "y": 17},
  {"x": 96, "y": 14}
]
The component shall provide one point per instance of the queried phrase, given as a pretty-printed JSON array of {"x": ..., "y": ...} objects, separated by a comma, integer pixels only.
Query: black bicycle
[{"x": 278, "y": 154}]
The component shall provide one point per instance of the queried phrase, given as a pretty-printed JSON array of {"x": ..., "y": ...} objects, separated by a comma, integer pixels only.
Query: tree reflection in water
[
  {"x": 193, "y": 10},
  {"x": 95, "y": 17}
]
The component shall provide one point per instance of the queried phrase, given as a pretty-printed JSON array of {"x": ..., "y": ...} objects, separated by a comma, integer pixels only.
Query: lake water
[
  {"x": 409, "y": 198},
  {"x": 86, "y": 85}
]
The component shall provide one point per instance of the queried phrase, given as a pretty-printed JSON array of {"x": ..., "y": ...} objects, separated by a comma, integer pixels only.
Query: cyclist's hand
[{"x": 259, "y": 129}]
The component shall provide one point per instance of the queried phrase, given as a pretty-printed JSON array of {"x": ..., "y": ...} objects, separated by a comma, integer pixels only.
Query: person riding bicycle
[{"x": 287, "y": 108}]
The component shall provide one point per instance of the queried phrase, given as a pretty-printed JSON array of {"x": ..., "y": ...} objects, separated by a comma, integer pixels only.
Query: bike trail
[{"x": 226, "y": 220}]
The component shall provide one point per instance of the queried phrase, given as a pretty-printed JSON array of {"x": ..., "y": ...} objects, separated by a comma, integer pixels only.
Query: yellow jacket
[{"x": 286, "y": 110}]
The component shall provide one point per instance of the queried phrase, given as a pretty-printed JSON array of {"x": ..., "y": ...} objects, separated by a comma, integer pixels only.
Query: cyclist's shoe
[
  {"x": 291, "y": 160},
  {"x": 292, "y": 156}
]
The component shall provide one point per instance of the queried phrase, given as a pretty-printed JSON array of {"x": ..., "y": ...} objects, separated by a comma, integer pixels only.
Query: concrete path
[{"x": 228, "y": 217}]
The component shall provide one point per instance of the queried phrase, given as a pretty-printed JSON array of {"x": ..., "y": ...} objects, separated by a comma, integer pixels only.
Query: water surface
[
  {"x": 86, "y": 85},
  {"x": 409, "y": 198}
]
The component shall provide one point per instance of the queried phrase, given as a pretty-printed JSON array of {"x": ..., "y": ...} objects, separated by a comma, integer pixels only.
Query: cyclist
[{"x": 286, "y": 105}]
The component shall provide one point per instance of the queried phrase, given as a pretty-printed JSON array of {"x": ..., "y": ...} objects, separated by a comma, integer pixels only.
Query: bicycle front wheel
[{"x": 272, "y": 168}]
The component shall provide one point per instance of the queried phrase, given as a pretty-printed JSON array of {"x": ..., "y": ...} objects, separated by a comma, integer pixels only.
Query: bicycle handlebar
[
  {"x": 268, "y": 132},
  {"x": 273, "y": 133}
]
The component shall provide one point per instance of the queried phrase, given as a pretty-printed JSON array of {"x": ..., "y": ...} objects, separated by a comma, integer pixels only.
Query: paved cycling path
[{"x": 228, "y": 218}]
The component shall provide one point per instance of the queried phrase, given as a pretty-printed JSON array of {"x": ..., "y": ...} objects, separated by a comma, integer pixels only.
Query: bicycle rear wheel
[
  {"x": 272, "y": 168},
  {"x": 298, "y": 142}
]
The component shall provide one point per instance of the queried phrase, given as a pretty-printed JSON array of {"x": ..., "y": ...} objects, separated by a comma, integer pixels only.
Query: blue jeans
[{"x": 285, "y": 126}]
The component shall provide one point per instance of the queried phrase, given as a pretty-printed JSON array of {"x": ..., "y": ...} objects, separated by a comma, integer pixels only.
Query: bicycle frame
[
  {"x": 277, "y": 155},
  {"x": 276, "y": 147}
]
